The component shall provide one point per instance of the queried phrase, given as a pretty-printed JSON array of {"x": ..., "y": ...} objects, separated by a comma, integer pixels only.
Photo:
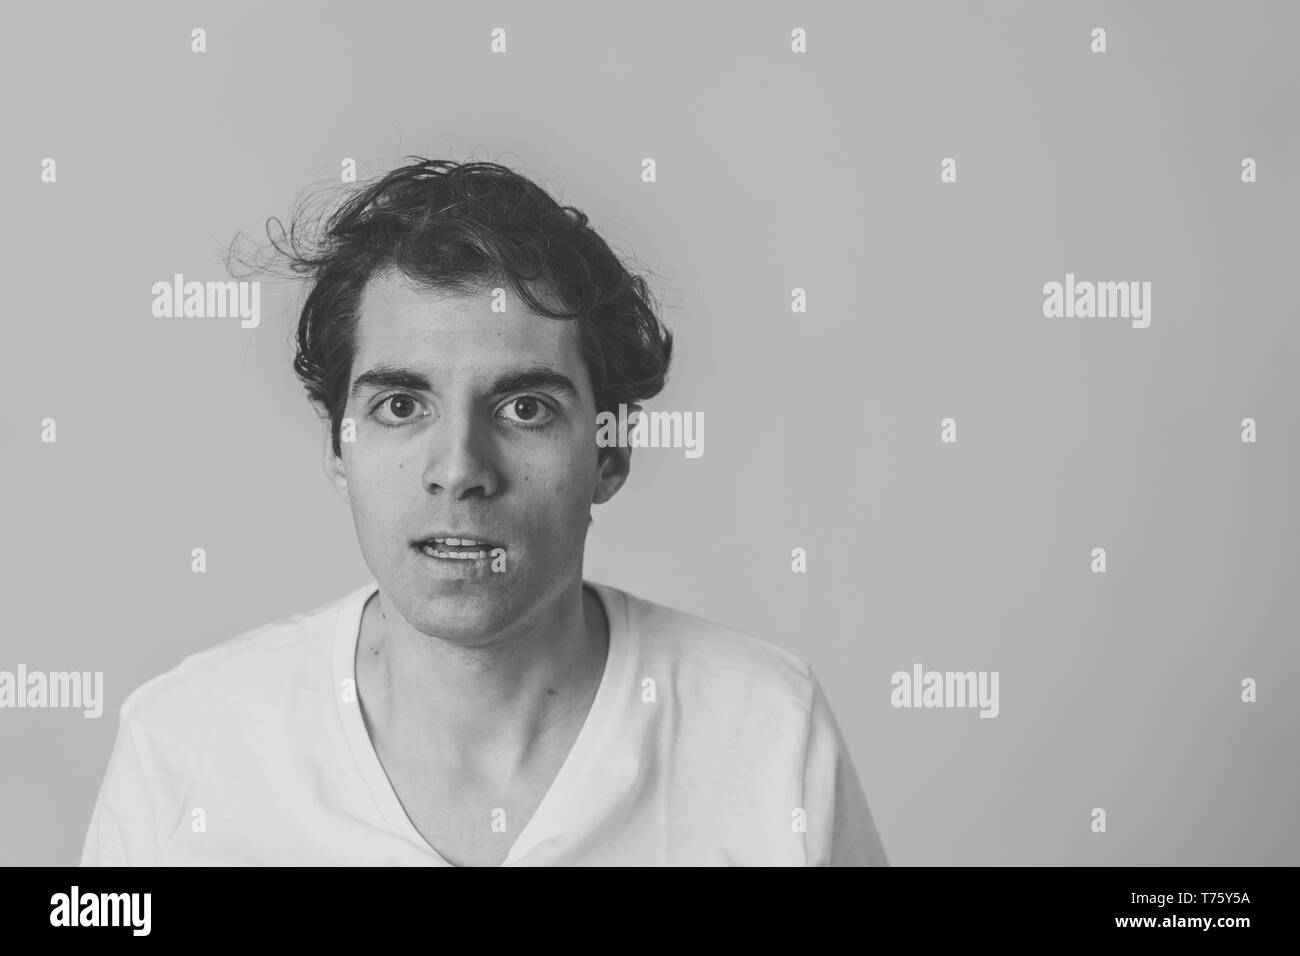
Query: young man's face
[{"x": 446, "y": 445}]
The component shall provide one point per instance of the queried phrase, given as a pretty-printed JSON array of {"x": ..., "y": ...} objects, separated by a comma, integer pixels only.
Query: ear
[
  {"x": 615, "y": 464},
  {"x": 332, "y": 463}
]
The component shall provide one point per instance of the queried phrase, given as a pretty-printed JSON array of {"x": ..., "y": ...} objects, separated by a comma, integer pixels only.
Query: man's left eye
[{"x": 528, "y": 410}]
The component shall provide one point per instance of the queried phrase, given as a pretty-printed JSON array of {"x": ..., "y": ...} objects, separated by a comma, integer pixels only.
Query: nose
[{"x": 459, "y": 460}]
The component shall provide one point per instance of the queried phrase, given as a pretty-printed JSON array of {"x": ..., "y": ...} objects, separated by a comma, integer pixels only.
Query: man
[{"x": 478, "y": 703}]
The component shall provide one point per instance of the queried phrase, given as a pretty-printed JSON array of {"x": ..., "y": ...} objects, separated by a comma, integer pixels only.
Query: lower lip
[{"x": 474, "y": 563}]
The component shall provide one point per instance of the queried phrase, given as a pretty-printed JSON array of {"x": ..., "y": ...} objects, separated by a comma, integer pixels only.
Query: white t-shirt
[{"x": 252, "y": 753}]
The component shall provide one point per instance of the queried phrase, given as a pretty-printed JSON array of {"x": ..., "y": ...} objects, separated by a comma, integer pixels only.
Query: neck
[{"x": 489, "y": 706}]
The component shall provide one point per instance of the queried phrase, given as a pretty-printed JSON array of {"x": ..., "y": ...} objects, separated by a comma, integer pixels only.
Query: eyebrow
[{"x": 521, "y": 378}]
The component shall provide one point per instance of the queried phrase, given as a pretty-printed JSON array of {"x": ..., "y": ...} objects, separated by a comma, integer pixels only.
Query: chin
[{"x": 455, "y": 614}]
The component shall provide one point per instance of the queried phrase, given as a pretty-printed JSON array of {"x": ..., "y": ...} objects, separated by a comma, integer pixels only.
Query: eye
[
  {"x": 401, "y": 406},
  {"x": 530, "y": 411}
]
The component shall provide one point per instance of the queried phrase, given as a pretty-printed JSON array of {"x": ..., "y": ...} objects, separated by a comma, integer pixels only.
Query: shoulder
[
  {"x": 715, "y": 665},
  {"x": 244, "y": 675}
]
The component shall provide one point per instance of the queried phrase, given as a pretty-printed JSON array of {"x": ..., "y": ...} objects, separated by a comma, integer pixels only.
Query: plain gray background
[{"x": 775, "y": 171}]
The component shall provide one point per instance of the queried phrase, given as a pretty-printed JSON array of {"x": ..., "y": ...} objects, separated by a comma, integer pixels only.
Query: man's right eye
[{"x": 399, "y": 407}]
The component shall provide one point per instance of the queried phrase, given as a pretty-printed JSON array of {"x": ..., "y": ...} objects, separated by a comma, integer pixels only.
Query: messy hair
[{"x": 461, "y": 229}]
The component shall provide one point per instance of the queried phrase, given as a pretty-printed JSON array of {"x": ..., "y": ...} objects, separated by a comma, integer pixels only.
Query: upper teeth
[{"x": 468, "y": 542}]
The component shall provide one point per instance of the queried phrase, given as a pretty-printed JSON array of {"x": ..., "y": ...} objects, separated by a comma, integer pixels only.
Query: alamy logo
[
  {"x": 946, "y": 689},
  {"x": 102, "y": 909},
  {"x": 1101, "y": 300},
  {"x": 71, "y": 689},
  {"x": 652, "y": 430},
  {"x": 208, "y": 300}
]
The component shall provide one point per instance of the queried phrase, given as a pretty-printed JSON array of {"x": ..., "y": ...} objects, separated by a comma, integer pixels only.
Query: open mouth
[{"x": 457, "y": 549}]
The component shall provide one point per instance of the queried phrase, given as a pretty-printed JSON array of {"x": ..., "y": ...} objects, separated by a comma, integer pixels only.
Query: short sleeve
[
  {"x": 840, "y": 830},
  {"x": 121, "y": 831}
]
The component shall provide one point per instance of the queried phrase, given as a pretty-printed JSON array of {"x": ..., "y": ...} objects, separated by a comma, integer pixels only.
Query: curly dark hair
[{"x": 463, "y": 228}]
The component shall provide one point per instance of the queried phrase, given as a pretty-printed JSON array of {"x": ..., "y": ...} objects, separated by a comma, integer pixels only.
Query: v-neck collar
[{"x": 549, "y": 812}]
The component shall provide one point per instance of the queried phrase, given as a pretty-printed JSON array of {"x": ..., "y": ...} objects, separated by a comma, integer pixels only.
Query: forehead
[{"x": 459, "y": 337}]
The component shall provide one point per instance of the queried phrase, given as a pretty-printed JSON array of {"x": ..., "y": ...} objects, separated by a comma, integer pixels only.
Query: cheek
[
  {"x": 569, "y": 485},
  {"x": 555, "y": 503},
  {"x": 372, "y": 487}
]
